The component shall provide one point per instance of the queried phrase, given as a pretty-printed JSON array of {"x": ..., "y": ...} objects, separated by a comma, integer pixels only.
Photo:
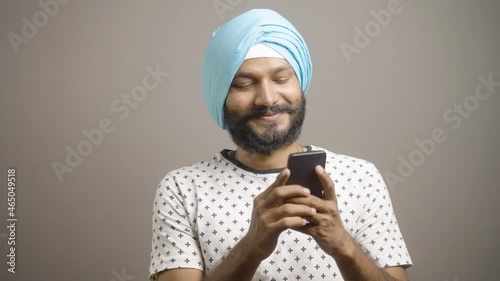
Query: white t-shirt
[{"x": 201, "y": 212}]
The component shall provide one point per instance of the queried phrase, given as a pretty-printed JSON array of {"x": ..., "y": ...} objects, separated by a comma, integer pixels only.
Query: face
[{"x": 265, "y": 107}]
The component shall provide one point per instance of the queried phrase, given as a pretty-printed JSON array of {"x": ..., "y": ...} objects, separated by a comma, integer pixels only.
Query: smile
[{"x": 270, "y": 117}]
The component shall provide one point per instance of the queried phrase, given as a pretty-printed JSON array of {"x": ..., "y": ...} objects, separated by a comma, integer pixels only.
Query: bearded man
[{"x": 234, "y": 217}]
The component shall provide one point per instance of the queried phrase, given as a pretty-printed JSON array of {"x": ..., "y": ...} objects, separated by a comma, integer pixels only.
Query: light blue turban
[{"x": 230, "y": 43}]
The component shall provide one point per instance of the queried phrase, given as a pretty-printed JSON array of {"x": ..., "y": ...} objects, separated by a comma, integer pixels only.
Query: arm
[
  {"x": 239, "y": 264},
  {"x": 356, "y": 265},
  {"x": 172, "y": 237},
  {"x": 181, "y": 274},
  {"x": 327, "y": 229},
  {"x": 270, "y": 217}
]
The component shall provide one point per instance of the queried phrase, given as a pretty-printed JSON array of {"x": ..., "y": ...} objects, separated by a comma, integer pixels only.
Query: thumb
[
  {"x": 327, "y": 182},
  {"x": 281, "y": 179}
]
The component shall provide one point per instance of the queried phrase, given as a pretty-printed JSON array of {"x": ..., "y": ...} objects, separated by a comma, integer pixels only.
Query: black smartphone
[{"x": 301, "y": 166}]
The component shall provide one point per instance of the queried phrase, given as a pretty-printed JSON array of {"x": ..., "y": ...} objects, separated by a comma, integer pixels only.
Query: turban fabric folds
[{"x": 230, "y": 44}]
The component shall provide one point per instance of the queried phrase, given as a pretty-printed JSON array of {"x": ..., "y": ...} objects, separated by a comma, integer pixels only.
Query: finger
[
  {"x": 289, "y": 222},
  {"x": 281, "y": 179},
  {"x": 281, "y": 194},
  {"x": 327, "y": 182},
  {"x": 313, "y": 222},
  {"x": 306, "y": 228},
  {"x": 321, "y": 206},
  {"x": 292, "y": 210},
  {"x": 311, "y": 201}
]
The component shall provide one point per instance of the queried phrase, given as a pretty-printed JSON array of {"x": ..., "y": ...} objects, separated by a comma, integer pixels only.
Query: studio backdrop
[{"x": 100, "y": 99}]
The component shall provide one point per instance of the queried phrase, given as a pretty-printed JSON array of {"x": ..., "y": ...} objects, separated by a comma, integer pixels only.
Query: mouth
[{"x": 270, "y": 116}]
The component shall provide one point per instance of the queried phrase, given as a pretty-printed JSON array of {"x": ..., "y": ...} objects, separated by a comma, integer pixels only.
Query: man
[{"x": 233, "y": 217}]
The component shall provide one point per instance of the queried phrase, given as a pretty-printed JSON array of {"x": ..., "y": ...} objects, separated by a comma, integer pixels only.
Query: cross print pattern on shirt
[{"x": 201, "y": 211}]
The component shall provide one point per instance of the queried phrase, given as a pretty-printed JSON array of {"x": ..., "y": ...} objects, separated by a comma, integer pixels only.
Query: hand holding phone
[{"x": 302, "y": 172}]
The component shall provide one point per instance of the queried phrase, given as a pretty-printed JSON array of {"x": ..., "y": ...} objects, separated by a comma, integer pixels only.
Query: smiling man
[{"x": 233, "y": 217}]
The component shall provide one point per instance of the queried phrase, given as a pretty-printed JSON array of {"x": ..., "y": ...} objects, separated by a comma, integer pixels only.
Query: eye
[
  {"x": 242, "y": 86},
  {"x": 282, "y": 80}
]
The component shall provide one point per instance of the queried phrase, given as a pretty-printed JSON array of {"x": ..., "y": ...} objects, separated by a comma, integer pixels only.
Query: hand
[
  {"x": 272, "y": 214},
  {"x": 326, "y": 225}
]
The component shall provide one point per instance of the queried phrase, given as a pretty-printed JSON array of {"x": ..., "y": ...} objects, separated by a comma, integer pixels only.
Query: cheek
[
  {"x": 234, "y": 102},
  {"x": 293, "y": 93}
]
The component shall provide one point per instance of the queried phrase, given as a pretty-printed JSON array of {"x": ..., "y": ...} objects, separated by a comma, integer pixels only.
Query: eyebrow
[{"x": 242, "y": 74}]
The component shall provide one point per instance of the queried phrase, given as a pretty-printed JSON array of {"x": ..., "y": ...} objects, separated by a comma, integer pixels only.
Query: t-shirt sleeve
[
  {"x": 174, "y": 243},
  {"x": 378, "y": 231}
]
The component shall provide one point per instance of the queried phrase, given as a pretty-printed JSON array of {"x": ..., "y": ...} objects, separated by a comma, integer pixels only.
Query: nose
[{"x": 266, "y": 95}]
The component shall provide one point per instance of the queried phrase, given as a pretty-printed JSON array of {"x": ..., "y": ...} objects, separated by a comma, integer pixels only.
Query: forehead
[{"x": 262, "y": 66}]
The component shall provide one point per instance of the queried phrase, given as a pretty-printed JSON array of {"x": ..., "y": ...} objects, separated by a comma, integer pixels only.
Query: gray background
[{"x": 95, "y": 224}]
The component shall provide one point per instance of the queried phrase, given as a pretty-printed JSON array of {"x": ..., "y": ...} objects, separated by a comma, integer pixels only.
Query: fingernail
[
  {"x": 313, "y": 210},
  {"x": 320, "y": 169},
  {"x": 307, "y": 191}
]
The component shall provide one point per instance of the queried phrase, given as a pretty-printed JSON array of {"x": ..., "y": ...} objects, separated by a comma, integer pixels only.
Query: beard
[{"x": 272, "y": 138}]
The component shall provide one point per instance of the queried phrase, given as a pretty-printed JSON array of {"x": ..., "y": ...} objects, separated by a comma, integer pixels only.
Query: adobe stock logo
[
  {"x": 30, "y": 28},
  {"x": 121, "y": 276},
  {"x": 122, "y": 107},
  {"x": 454, "y": 116},
  {"x": 372, "y": 29},
  {"x": 223, "y": 6}
]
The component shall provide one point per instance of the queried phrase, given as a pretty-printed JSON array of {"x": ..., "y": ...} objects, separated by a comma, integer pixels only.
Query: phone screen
[{"x": 301, "y": 166}]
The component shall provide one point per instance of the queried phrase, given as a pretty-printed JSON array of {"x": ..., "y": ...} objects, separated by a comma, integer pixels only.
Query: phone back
[{"x": 301, "y": 166}]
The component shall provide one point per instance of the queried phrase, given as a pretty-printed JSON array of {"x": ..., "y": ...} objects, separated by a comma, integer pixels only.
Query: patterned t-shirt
[{"x": 202, "y": 211}]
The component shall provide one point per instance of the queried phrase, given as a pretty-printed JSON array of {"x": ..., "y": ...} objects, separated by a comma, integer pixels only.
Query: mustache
[{"x": 258, "y": 112}]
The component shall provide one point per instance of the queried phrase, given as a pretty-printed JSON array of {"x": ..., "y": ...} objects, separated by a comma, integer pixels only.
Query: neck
[{"x": 277, "y": 159}]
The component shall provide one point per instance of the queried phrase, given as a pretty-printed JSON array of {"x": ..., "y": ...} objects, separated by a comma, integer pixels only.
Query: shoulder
[
  {"x": 195, "y": 171},
  {"x": 338, "y": 161},
  {"x": 351, "y": 173}
]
